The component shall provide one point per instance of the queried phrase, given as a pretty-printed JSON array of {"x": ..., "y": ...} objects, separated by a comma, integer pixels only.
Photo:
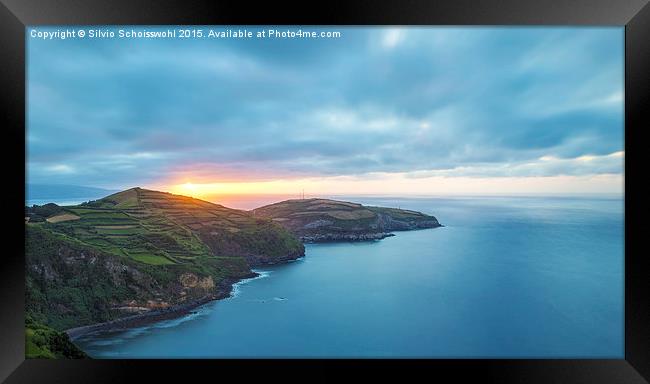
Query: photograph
[{"x": 324, "y": 192}]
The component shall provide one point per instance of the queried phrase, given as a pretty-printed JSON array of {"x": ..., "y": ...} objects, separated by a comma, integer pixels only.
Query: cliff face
[
  {"x": 139, "y": 251},
  {"x": 318, "y": 220}
]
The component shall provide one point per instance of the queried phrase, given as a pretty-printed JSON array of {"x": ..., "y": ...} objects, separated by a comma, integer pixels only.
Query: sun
[{"x": 189, "y": 187}]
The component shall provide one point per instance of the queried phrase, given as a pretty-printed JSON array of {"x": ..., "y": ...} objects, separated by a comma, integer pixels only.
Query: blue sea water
[{"x": 522, "y": 277}]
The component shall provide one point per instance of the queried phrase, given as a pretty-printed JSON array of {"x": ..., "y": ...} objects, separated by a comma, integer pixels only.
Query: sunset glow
[
  {"x": 477, "y": 180},
  {"x": 401, "y": 184}
]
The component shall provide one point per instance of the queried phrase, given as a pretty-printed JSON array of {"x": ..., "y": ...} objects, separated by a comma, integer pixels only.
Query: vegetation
[
  {"x": 63, "y": 292},
  {"x": 42, "y": 342},
  {"x": 309, "y": 217},
  {"x": 136, "y": 249},
  {"x": 38, "y": 213}
]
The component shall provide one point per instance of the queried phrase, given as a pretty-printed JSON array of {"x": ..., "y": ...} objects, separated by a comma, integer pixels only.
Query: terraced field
[
  {"x": 158, "y": 228},
  {"x": 330, "y": 220}
]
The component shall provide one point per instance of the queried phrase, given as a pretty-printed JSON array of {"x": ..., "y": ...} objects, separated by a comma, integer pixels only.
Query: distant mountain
[
  {"x": 63, "y": 191},
  {"x": 315, "y": 220}
]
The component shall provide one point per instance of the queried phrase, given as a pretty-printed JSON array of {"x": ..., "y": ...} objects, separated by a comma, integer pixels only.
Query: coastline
[
  {"x": 358, "y": 237},
  {"x": 179, "y": 310},
  {"x": 172, "y": 312},
  {"x": 154, "y": 316}
]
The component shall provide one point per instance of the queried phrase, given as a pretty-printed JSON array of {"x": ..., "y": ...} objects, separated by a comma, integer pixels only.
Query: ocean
[{"x": 506, "y": 277}]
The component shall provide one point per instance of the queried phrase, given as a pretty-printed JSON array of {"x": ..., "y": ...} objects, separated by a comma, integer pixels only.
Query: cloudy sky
[{"x": 379, "y": 110}]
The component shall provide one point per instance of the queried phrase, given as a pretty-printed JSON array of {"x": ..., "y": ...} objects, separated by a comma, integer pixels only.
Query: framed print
[{"x": 446, "y": 187}]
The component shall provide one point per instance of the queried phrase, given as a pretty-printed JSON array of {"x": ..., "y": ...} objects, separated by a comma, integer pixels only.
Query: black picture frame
[{"x": 15, "y": 15}]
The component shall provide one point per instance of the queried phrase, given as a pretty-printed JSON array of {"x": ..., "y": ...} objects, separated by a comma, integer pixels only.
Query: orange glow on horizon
[
  {"x": 415, "y": 183},
  {"x": 202, "y": 190},
  {"x": 401, "y": 184}
]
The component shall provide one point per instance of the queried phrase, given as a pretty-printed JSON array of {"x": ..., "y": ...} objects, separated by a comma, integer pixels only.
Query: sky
[{"x": 381, "y": 110}]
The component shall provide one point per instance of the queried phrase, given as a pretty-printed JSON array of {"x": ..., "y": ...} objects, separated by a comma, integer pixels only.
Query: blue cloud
[{"x": 115, "y": 113}]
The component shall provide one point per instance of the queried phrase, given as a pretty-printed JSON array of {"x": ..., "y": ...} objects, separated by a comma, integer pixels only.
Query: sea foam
[{"x": 237, "y": 286}]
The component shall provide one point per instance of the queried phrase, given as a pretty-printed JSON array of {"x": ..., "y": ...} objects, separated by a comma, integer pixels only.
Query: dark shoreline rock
[
  {"x": 334, "y": 237},
  {"x": 171, "y": 312},
  {"x": 153, "y": 316},
  {"x": 138, "y": 320}
]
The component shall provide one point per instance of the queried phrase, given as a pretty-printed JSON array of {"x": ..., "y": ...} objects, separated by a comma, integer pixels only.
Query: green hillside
[
  {"x": 316, "y": 220},
  {"x": 42, "y": 342},
  {"x": 139, "y": 250}
]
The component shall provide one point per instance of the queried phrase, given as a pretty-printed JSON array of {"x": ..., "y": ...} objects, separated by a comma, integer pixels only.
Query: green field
[
  {"x": 148, "y": 258},
  {"x": 159, "y": 229},
  {"x": 322, "y": 216}
]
